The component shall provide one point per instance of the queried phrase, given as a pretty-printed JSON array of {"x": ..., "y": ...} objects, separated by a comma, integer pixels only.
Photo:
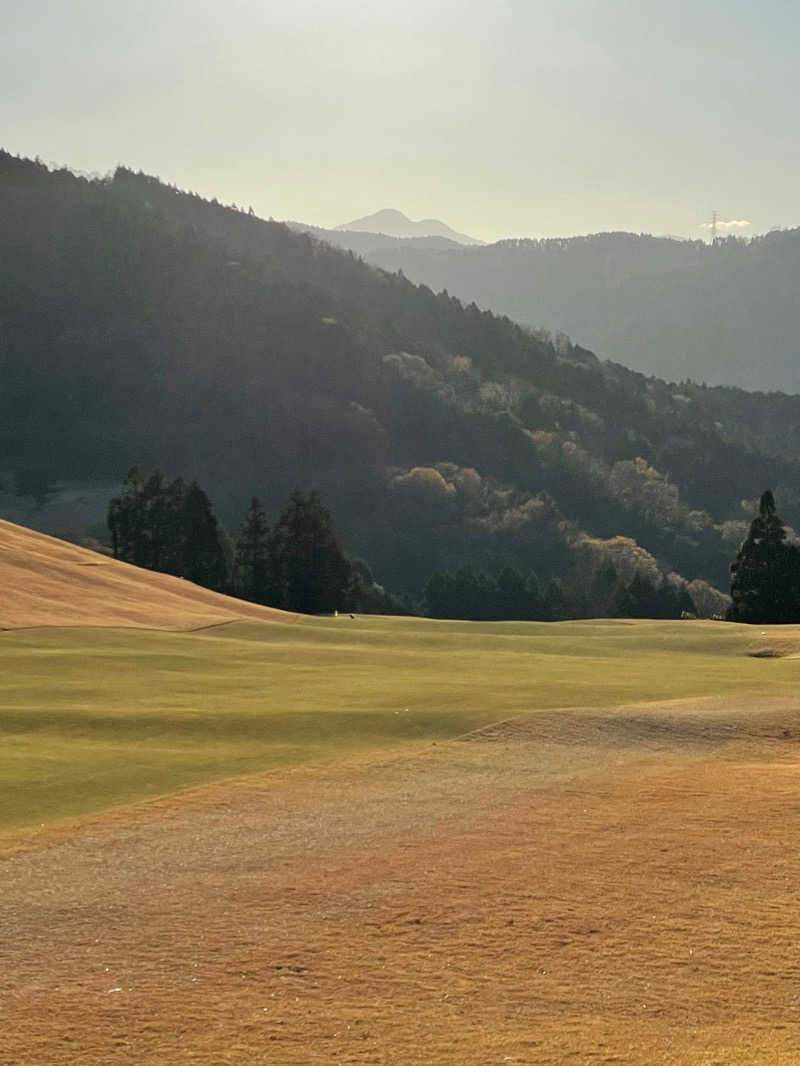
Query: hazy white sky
[{"x": 502, "y": 117}]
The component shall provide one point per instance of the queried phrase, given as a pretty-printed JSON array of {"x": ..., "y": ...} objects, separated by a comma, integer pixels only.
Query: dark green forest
[
  {"x": 296, "y": 563},
  {"x": 142, "y": 324}
]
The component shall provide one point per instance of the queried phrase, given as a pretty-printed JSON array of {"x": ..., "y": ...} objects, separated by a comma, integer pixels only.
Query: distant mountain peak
[{"x": 393, "y": 223}]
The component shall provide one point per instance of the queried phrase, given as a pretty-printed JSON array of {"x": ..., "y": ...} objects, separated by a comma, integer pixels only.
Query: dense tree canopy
[
  {"x": 298, "y": 565},
  {"x": 511, "y": 595},
  {"x": 168, "y": 526}
]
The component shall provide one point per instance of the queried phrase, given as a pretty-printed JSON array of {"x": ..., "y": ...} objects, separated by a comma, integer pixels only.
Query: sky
[{"x": 504, "y": 118}]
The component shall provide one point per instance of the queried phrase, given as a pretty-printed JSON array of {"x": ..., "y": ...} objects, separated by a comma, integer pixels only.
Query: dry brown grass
[
  {"x": 49, "y": 582},
  {"x": 578, "y": 887}
]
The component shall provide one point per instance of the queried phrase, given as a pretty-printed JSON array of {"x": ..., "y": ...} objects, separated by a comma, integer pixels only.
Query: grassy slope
[
  {"x": 50, "y": 582},
  {"x": 92, "y": 718}
]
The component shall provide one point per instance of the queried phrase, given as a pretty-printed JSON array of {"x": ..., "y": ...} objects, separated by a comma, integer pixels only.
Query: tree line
[
  {"x": 512, "y": 595},
  {"x": 765, "y": 587},
  {"x": 296, "y": 563}
]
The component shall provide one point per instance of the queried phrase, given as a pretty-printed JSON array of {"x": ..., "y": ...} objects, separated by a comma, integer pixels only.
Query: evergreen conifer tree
[
  {"x": 127, "y": 520},
  {"x": 203, "y": 554},
  {"x": 168, "y": 527},
  {"x": 251, "y": 573},
  {"x": 534, "y": 607},
  {"x": 605, "y": 591},
  {"x": 510, "y": 595},
  {"x": 310, "y": 573},
  {"x": 554, "y": 606},
  {"x": 437, "y": 595},
  {"x": 765, "y": 576}
]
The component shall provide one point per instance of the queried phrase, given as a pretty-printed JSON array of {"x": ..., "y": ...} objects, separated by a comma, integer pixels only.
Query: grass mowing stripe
[{"x": 91, "y": 718}]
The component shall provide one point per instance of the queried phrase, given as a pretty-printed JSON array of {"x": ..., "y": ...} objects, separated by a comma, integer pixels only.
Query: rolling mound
[
  {"x": 49, "y": 582},
  {"x": 776, "y": 642}
]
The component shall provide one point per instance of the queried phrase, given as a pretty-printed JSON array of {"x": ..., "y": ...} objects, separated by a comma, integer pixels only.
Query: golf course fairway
[{"x": 93, "y": 718}]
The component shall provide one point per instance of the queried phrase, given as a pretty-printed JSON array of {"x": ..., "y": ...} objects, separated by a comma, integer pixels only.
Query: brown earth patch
[{"x": 542, "y": 895}]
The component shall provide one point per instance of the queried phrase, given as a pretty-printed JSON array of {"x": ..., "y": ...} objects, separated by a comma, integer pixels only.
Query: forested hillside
[
  {"x": 140, "y": 324},
  {"x": 725, "y": 314}
]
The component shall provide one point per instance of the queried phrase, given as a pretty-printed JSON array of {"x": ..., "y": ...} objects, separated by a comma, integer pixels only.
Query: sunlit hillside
[{"x": 49, "y": 582}]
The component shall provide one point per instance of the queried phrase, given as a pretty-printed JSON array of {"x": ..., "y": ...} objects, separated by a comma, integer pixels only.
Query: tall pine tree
[
  {"x": 251, "y": 568},
  {"x": 169, "y": 527},
  {"x": 765, "y": 576},
  {"x": 203, "y": 553},
  {"x": 309, "y": 569}
]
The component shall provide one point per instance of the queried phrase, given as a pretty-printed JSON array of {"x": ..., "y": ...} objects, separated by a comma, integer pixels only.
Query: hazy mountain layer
[
  {"x": 139, "y": 324},
  {"x": 726, "y": 314},
  {"x": 367, "y": 244},
  {"x": 394, "y": 223}
]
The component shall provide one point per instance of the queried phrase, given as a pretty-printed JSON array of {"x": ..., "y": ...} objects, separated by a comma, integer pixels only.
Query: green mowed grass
[{"x": 92, "y": 718}]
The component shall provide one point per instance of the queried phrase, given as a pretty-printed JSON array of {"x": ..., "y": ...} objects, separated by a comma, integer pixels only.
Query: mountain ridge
[
  {"x": 365, "y": 243},
  {"x": 140, "y": 324},
  {"x": 393, "y": 223},
  {"x": 675, "y": 308}
]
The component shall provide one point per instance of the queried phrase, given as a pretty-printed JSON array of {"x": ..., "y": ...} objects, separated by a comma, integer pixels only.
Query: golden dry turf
[
  {"x": 603, "y": 870},
  {"x": 49, "y": 582}
]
